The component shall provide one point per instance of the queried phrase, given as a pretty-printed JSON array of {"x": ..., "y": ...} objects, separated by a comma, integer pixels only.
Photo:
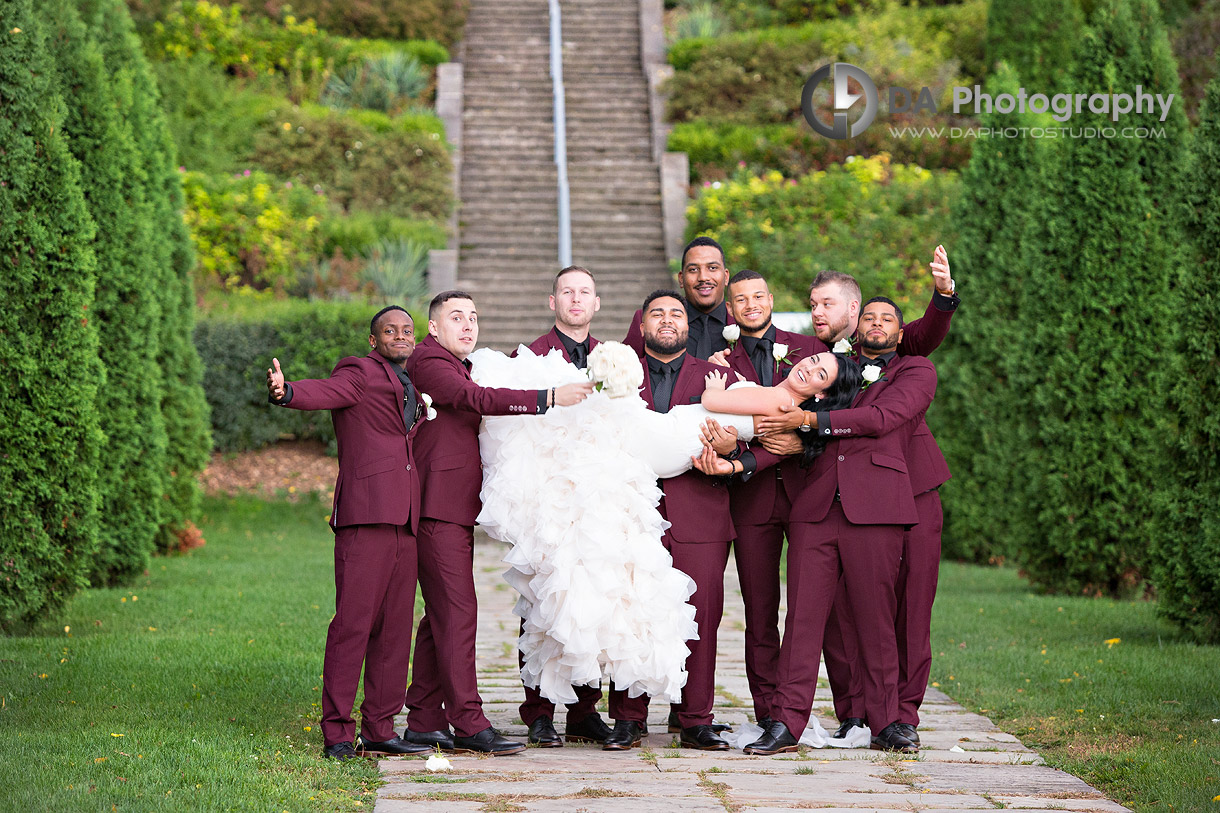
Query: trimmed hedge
[
  {"x": 870, "y": 218},
  {"x": 49, "y": 436},
  {"x": 238, "y": 341}
]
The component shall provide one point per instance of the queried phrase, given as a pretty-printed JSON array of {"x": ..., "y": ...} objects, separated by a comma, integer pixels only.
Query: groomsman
[
  {"x": 444, "y": 688},
  {"x": 698, "y": 538},
  {"x": 375, "y": 408},
  {"x": 703, "y": 277},
  {"x": 848, "y": 520},
  {"x": 574, "y": 301}
]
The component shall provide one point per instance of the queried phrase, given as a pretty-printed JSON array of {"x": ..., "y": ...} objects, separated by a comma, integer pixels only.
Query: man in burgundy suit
[
  {"x": 917, "y": 577},
  {"x": 574, "y": 301},
  {"x": 703, "y": 278},
  {"x": 849, "y": 514},
  {"x": 444, "y": 689},
  {"x": 701, "y": 528},
  {"x": 374, "y": 407}
]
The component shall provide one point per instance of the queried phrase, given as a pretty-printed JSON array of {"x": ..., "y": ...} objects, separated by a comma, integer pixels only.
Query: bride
[{"x": 575, "y": 493}]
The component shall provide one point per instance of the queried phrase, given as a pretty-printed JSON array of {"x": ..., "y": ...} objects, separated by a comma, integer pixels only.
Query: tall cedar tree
[
  {"x": 1034, "y": 38},
  {"x": 981, "y": 416},
  {"x": 49, "y": 436},
  {"x": 131, "y": 470},
  {"x": 1106, "y": 319},
  {"x": 1187, "y": 550},
  {"x": 184, "y": 407}
]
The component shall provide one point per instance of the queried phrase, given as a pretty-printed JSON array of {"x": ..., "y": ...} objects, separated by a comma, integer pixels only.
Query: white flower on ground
[
  {"x": 731, "y": 333},
  {"x": 436, "y": 762},
  {"x": 842, "y": 346},
  {"x": 871, "y": 373},
  {"x": 429, "y": 412},
  {"x": 617, "y": 368},
  {"x": 779, "y": 351}
]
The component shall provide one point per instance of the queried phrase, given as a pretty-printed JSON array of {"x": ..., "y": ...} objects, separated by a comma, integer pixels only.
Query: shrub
[
  {"x": 867, "y": 217},
  {"x": 1195, "y": 44},
  {"x": 397, "y": 269},
  {"x": 49, "y": 436},
  {"x": 363, "y": 160},
  {"x": 250, "y": 229},
  {"x": 699, "y": 20},
  {"x": 354, "y": 234},
  {"x": 237, "y": 342},
  {"x": 388, "y": 83}
]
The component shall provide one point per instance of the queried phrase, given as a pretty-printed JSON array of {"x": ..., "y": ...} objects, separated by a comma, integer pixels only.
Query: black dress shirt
[
  {"x": 706, "y": 331},
  {"x": 578, "y": 352},
  {"x": 662, "y": 375},
  {"x": 410, "y": 399},
  {"x": 759, "y": 350}
]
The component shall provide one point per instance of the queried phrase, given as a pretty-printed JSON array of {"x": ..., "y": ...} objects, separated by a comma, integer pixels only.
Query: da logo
[{"x": 844, "y": 100}]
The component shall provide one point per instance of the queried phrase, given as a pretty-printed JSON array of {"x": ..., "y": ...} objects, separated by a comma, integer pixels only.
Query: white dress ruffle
[{"x": 574, "y": 491}]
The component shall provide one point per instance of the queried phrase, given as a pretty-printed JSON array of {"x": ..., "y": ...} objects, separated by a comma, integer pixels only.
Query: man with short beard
[
  {"x": 698, "y": 538},
  {"x": 703, "y": 277}
]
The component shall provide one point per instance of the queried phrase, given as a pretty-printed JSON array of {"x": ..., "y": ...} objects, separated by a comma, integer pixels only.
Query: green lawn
[
  {"x": 196, "y": 687},
  {"x": 1102, "y": 689}
]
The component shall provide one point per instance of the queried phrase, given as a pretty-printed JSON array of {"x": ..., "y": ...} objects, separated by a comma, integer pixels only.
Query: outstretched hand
[
  {"x": 715, "y": 381},
  {"x": 722, "y": 439},
  {"x": 940, "y": 271},
  {"x": 793, "y": 417},
  {"x": 711, "y": 463},
  {"x": 720, "y": 358},
  {"x": 275, "y": 381},
  {"x": 570, "y": 394}
]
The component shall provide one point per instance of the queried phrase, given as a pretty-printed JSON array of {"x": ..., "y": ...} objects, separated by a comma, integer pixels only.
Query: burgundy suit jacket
[
  {"x": 922, "y": 336},
  {"x": 550, "y": 341},
  {"x": 866, "y": 460},
  {"x": 447, "y": 447},
  {"x": 697, "y": 506},
  {"x": 752, "y": 501},
  {"x": 378, "y": 479},
  {"x": 635, "y": 340}
]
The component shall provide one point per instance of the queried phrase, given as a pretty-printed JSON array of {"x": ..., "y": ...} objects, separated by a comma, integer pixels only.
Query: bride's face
[{"x": 813, "y": 375}]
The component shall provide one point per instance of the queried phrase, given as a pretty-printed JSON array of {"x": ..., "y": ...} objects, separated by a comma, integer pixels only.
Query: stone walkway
[{"x": 992, "y": 769}]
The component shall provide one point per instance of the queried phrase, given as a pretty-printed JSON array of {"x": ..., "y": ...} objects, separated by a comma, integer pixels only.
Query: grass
[
  {"x": 197, "y": 686},
  {"x": 1101, "y": 688}
]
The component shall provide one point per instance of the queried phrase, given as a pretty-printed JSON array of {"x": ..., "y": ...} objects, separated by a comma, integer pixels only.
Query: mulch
[{"x": 289, "y": 469}]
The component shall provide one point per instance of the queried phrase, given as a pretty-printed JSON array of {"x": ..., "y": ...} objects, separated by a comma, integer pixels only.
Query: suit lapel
[
  {"x": 646, "y": 390},
  {"x": 557, "y": 344},
  {"x": 400, "y": 394},
  {"x": 683, "y": 383},
  {"x": 740, "y": 363}
]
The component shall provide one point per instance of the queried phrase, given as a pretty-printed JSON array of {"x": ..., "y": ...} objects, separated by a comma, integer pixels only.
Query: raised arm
[
  {"x": 905, "y": 397},
  {"x": 449, "y": 388},
  {"x": 743, "y": 400},
  {"x": 344, "y": 388},
  {"x": 922, "y": 336}
]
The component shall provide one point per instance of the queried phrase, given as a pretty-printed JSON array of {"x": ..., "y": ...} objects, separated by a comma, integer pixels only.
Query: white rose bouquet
[{"x": 616, "y": 369}]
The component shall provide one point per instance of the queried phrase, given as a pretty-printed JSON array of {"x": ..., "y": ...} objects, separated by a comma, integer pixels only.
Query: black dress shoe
[
  {"x": 340, "y": 751},
  {"x": 907, "y": 730},
  {"x": 675, "y": 726},
  {"x": 625, "y": 736},
  {"x": 543, "y": 733},
  {"x": 488, "y": 741},
  {"x": 892, "y": 739},
  {"x": 433, "y": 739},
  {"x": 394, "y": 745},
  {"x": 702, "y": 737},
  {"x": 777, "y": 739},
  {"x": 590, "y": 729},
  {"x": 848, "y": 725}
]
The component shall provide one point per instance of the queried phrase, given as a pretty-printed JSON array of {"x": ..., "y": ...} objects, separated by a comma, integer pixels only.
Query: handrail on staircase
[{"x": 561, "y": 138}]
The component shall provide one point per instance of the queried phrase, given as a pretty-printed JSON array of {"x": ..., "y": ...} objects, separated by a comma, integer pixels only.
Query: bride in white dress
[{"x": 575, "y": 493}]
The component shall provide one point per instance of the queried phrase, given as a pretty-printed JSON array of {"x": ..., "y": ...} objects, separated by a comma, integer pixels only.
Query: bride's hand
[
  {"x": 793, "y": 417},
  {"x": 715, "y": 381},
  {"x": 711, "y": 463}
]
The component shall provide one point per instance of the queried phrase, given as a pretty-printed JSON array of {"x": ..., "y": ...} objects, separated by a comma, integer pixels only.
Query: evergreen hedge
[{"x": 49, "y": 436}]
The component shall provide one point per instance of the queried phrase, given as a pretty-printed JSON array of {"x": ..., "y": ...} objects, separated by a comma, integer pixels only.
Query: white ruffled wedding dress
[{"x": 574, "y": 491}]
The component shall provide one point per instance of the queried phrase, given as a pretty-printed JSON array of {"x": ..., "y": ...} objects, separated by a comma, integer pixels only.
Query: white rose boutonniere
[
  {"x": 429, "y": 412},
  {"x": 779, "y": 352},
  {"x": 731, "y": 334},
  {"x": 436, "y": 762},
  {"x": 843, "y": 346},
  {"x": 871, "y": 375}
]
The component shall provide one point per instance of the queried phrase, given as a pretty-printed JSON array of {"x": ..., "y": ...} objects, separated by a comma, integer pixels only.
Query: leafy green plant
[
  {"x": 388, "y": 83},
  {"x": 397, "y": 269},
  {"x": 700, "y": 19}
]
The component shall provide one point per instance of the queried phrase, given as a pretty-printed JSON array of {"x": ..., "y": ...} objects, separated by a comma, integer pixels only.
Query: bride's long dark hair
[{"x": 839, "y": 395}]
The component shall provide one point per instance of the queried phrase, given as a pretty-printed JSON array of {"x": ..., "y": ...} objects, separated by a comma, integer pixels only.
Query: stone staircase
[{"x": 508, "y": 221}]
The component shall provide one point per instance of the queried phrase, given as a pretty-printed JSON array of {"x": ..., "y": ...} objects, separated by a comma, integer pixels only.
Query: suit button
[
  {"x": 408, "y": 467},
  {"x": 840, "y": 458}
]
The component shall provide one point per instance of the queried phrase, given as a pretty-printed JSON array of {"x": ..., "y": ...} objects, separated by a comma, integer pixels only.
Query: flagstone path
[{"x": 992, "y": 770}]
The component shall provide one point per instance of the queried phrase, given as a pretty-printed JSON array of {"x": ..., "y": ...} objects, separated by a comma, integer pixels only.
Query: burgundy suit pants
[
  {"x": 375, "y": 569},
  {"x": 444, "y": 686},
  {"x": 536, "y": 705},
  {"x": 916, "y": 591},
  {"x": 867, "y": 557}
]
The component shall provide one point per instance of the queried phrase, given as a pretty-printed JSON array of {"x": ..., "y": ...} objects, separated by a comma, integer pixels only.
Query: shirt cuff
[
  {"x": 749, "y": 465},
  {"x": 946, "y": 303},
  {"x": 823, "y": 429},
  {"x": 542, "y": 396},
  {"x": 287, "y": 396}
]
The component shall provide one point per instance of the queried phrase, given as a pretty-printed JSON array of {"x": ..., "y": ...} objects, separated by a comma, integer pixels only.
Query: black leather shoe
[
  {"x": 703, "y": 738},
  {"x": 892, "y": 739},
  {"x": 488, "y": 741},
  {"x": 625, "y": 736},
  {"x": 393, "y": 746},
  {"x": 777, "y": 739},
  {"x": 433, "y": 739},
  {"x": 848, "y": 725},
  {"x": 543, "y": 733},
  {"x": 675, "y": 727},
  {"x": 591, "y": 729},
  {"x": 341, "y": 751},
  {"x": 907, "y": 730}
]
